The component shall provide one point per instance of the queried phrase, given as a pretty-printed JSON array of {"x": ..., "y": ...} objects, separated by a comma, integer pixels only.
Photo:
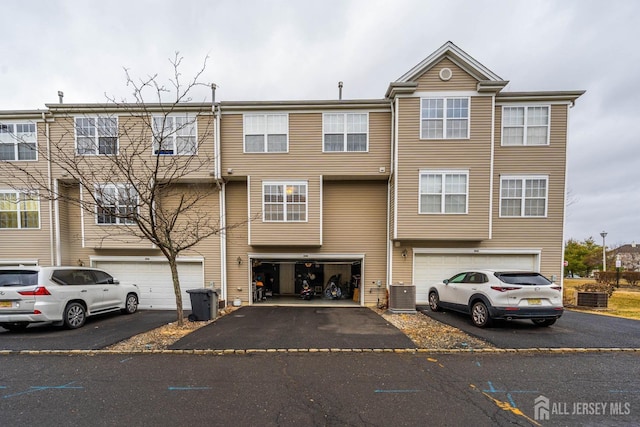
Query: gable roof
[{"x": 487, "y": 79}]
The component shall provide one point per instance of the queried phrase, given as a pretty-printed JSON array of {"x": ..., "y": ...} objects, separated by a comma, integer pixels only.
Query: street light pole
[{"x": 604, "y": 252}]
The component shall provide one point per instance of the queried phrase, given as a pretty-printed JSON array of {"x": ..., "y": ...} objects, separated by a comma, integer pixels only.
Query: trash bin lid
[{"x": 200, "y": 291}]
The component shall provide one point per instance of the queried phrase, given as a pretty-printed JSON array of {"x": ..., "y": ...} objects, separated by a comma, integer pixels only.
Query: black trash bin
[{"x": 204, "y": 304}]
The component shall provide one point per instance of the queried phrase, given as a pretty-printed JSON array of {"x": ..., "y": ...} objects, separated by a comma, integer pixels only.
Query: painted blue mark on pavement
[
  {"x": 491, "y": 389},
  {"x": 511, "y": 401},
  {"x": 126, "y": 360},
  {"x": 33, "y": 389},
  {"x": 478, "y": 364},
  {"x": 398, "y": 391},
  {"x": 189, "y": 388}
]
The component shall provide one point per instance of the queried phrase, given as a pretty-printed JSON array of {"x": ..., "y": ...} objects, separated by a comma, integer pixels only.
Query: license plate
[
  {"x": 535, "y": 301},
  {"x": 5, "y": 304}
]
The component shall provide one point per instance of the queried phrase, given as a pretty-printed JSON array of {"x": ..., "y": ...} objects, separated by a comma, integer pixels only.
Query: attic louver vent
[{"x": 446, "y": 74}]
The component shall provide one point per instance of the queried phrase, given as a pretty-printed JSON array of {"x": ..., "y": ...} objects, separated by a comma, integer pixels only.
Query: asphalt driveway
[
  {"x": 99, "y": 332},
  {"x": 270, "y": 327},
  {"x": 573, "y": 330}
]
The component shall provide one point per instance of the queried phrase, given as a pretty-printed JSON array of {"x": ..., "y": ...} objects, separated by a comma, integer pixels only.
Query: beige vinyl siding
[
  {"x": 545, "y": 233},
  {"x": 305, "y": 156},
  {"x": 460, "y": 80},
  {"x": 307, "y": 233},
  {"x": 355, "y": 214},
  {"x": 473, "y": 155},
  {"x": 238, "y": 276}
]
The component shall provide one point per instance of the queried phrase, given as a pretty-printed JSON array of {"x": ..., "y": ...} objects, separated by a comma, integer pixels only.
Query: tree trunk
[{"x": 176, "y": 290}]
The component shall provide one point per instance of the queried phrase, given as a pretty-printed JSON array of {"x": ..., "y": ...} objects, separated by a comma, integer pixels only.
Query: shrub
[
  {"x": 596, "y": 287},
  {"x": 632, "y": 277}
]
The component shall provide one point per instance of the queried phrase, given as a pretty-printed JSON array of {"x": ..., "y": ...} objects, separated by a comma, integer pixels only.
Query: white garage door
[
  {"x": 432, "y": 268},
  {"x": 154, "y": 281}
]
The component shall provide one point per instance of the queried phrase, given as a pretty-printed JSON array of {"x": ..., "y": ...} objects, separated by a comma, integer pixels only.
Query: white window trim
[
  {"x": 19, "y": 193},
  {"x": 442, "y": 173},
  {"x": 119, "y": 221},
  {"x": 265, "y": 134},
  {"x": 96, "y": 135},
  {"x": 17, "y": 140},
  {"x": 524, "y": 178},
  {"x": 284, "y": 216},
  {"x": 525, "y": 125},
  {"x": 191, "y": 120},
  {"x": 444, "y": 118},
  {"x": 345, "y": 133}
]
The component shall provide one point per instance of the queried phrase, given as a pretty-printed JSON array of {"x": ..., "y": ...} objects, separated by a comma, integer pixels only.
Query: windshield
[
  {"x": 532, "y": 279},
  {"x": 18, "y": 278}
]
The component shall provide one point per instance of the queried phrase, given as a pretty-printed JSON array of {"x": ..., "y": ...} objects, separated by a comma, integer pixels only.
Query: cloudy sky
[{"x": 299, "y": 49}]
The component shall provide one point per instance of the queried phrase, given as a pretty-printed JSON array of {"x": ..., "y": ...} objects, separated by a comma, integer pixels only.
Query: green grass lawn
[{"x": 624, "y": 302}]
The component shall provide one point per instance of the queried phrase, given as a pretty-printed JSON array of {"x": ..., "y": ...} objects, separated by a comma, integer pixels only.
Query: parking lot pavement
[
  {"x": 573, "y": 330},
  {"x": 99, "y": 332}
]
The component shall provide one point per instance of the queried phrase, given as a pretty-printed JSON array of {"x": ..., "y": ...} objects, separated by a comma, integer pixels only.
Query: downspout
[
  {"x": 492, "y": 160},
  {"x": 54, "y": 253},
  {"x": 221, "y": 195},
  {"x": 389, "y": 181}
]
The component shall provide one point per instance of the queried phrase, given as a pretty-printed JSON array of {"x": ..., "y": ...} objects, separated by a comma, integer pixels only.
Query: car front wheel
[
  {"x": 434, "y": 301},
  {"x": 543, "y": 322},
  {"x": 74, "y": 315},
  {"x": 131, "y": 304},
  {"x": 480, "y": 314}
]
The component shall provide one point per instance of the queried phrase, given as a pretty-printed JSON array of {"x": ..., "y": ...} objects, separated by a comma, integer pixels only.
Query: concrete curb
[{"x": 223, "y": 352}]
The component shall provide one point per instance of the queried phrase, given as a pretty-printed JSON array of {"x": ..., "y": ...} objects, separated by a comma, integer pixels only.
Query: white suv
[
  {"x": 489, "y": 294},
  {"x": 62, "y": 295}
]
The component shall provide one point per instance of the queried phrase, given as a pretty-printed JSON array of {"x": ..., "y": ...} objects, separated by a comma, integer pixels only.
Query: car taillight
[
  {"x": 39, "y": 291},
  {"x": 557, "y": 288},
  {"x": 505, "y": 288}
]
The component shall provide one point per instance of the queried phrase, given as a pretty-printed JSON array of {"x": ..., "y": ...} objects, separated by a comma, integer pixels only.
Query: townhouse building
[{"x": 448, "y": 171}]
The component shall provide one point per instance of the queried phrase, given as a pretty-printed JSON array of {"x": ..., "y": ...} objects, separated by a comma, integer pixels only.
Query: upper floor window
[
  {"x": 266, "y": 133},
  {"x": 18, "y": 141},
  {"x": 284, "y": 201},
  {"x": 116, "y": 204},
  {"x": 525, "y": 125},
  {"x": 523, "y": 196},
  {"x": 96, "y": 135},
  {"x": 345, "y": 132},
  {"x": 19, "y": 210},
  {"x": 444, "y": 118},
  {"x": 175, "y": 135},
  {"x": 443, "y": 192}
]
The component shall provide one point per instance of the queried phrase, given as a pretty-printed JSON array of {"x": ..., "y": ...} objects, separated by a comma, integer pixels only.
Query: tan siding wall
[
  {"x": 543, "y": 233},
  {"x": 430, "y": 81},
  {"x": 287, "y": 233},
  {"x": 305, "y": 156},
  {"x": 354, "y": 222},
  {"x": 238, "y": 276},
  {"x": 473, "y": 155}
]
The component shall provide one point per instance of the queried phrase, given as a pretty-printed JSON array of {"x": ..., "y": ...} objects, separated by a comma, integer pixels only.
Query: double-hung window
[
  {"x": 175, "y": 135},
  {"x": 525, "y": 125},
  {"x": 523, "y": 196},
  {"x": 18, "y": 141},
  {"x": 443, "y": 192},
  {"x": 444, "y": 118},
  {"x": 19, "y": 210},
  {"x": 266, "y": 133},
  {"x": 116, "y": 204},
  {"x": 284, "y": 201},
  {"x": 345, "y": 132},
  {"x": 96, "y": 135}
]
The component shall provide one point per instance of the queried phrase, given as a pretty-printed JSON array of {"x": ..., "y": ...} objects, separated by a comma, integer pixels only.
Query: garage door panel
[
  {"x": 433, "y": 268},
  {"x": 154, "y": 281}
]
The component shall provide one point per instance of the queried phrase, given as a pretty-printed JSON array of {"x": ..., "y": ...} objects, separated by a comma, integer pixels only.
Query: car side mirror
[
  {"x": 116, "y": 281},
  {"x": 445, "y": 281}
]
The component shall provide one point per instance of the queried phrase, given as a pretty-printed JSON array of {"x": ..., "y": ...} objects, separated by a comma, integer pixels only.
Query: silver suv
[{"x": 62, "y": 295}]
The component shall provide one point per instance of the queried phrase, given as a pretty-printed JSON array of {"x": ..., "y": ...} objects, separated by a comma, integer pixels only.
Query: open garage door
[
  {"x": 429, "y": 268},
  {"x": 154, "y": 280}
]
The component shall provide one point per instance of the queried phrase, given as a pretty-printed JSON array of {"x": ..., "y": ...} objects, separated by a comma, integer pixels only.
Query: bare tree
[{"x": 144, "y": 166}]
